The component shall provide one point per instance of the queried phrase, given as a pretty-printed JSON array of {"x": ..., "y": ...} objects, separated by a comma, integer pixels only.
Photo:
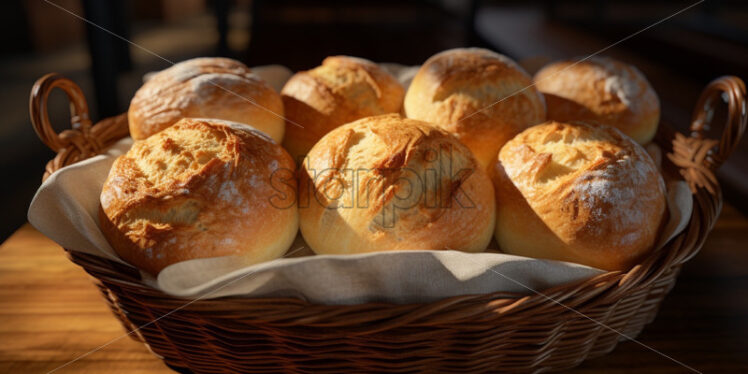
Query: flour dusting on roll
[
  {"x": 206, "y": 87},
  {"x": 601, "y": 90},
  {"x": 580, "y": 193},
  {"x": 200, "y": 188}
]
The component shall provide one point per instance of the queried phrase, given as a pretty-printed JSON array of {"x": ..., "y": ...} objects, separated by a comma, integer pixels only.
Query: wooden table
[{"x": 50, "y": 314}]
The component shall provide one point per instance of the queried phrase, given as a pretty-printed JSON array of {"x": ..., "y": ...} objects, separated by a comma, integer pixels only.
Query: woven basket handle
[
  {"x": 82, "y": 140},
  {"x": 81, "y": 123},
  {"x": 698, "y": 156}
]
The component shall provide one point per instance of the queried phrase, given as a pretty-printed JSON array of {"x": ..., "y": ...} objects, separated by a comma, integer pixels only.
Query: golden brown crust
[
  {"x": 341, "y": 90},
  {"x": 482, "y": 97},
  {"x": 388, "y": 183},
  {"x": 579, "y": 193},
  {"x": 601, "y": 90},
  {"x": 201, "y": 188},
  {"x": 207, "y": 87}
]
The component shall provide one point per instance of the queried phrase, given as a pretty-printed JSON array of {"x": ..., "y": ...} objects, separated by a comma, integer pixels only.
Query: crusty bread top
[
  {"x": 357, "y": 85},
  {"x": 601, "y": 90},
  {"x": 587, "y": 183},
  {"x": 207, "y": 87},
  {"x": 341, "y": 90},
  {"x": 387, "y": 148},
  {"x": 201, "y": 188},
  {"x": 471, "y": 69},
  {"x": 482, "y": 97},
  {"x": 386, "y": 183}
]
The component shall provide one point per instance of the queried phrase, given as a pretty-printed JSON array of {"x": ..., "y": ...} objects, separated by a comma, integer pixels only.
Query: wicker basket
[{"x": 554, "y": 330}]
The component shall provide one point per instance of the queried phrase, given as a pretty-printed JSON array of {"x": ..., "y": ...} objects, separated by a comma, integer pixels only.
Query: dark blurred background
[{"x": 678, "y": 56}]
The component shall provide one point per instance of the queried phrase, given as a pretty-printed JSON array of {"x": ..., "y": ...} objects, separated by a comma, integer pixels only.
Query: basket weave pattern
[{"x": 555, "y": 329}]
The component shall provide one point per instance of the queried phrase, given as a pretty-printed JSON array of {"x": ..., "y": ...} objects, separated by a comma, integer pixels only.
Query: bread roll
[
  {"x": 207, "y": 87},
  {"x": 201, "y": 188},
  {"x": 578, "y": 193},
  {"x": 386, "y": 183},
  {"x": 601, "y": 90},
  {"x": 341, "y": 90},
  {"x": 482, "y": 97}
]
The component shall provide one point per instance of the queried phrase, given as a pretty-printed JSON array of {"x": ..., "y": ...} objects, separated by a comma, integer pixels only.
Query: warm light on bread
[
  {"x": 201, "y": 188},
  {"x": 387, "y": 183},
  {"x": 207, "y": 87},
  {"x": 482, "y": 97},
  {"x": 341, "y": 90},
  {"x": 578, "y": 193},
  {"x": 601, "y": 90}
]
